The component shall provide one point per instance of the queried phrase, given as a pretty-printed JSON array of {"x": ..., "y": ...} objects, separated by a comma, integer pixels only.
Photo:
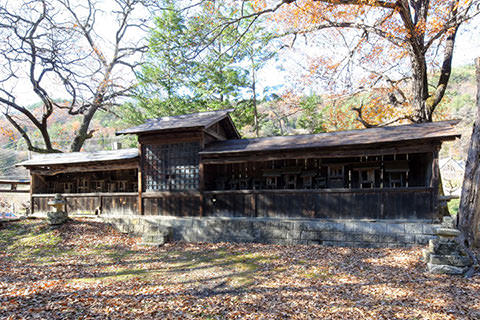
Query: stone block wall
[{"x": 345, "y": 233}]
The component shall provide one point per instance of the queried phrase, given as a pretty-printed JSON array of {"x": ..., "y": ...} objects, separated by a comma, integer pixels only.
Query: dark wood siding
[
  {"x": 91, "y": 203},
  {"x": 407, "y": 203},
  {"x": 172, "y": 205},
  {"x": 120, "y": 204}
]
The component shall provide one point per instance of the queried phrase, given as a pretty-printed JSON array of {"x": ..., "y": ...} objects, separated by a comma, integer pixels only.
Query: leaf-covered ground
[{"x": 87, "y": 270}]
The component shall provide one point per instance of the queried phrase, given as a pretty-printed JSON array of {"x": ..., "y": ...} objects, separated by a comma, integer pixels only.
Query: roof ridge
[
  {"x": 451, "y": 122},
  {"x": 191, "y": 114},
  {"x": 442, "y": 130},
  {"x": 190, "y": 120}
]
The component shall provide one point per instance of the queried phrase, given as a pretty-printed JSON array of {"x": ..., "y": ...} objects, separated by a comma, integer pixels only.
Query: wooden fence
[
  {"x": 399, "y": 203},
  {"x": 395, "y": 203},
  {"x": 90, "y": 203}
]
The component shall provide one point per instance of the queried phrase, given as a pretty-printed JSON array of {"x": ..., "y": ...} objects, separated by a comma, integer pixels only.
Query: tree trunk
[
  {"x": 420, "y": 89},
  {"x": 468, "y": 219},
  {"x": 83, "y": 134}
]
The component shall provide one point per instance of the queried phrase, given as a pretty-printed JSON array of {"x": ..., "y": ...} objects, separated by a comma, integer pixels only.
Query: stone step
[
  {"x": 439, "y": 246},
  {"x": 446, "y": 269},
  {"x": 452, "y": 260}
]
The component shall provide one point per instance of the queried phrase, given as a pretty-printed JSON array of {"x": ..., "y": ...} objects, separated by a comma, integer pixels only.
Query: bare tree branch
[{"x": 59, "y": 47}]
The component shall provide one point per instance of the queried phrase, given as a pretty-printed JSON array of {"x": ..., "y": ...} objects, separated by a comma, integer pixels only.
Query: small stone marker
[{"x": 445, "y": 255}]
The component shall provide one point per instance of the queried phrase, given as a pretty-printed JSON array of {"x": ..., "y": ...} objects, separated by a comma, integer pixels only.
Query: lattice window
[{"x": 171, "y": 166}]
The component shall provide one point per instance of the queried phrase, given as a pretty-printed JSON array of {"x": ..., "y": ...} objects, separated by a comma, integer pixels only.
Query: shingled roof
[
  {"x": 442, "y": 130},
  {"x": 193, "y": 120},
  {"x": 80, "y": 157}
]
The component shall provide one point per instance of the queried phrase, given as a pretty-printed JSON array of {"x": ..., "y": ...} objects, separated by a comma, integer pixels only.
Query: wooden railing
[
  {"x": 394, "y": 203},
  {"x": 91, "y": 203}
]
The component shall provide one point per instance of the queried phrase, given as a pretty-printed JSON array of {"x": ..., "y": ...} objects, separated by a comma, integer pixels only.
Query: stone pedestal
[
  {"x": 445, "y": 255},
  {"x": 57, "y": 216}
]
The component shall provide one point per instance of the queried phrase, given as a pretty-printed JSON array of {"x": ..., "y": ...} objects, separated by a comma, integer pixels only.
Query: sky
[
  {"x": 276, "y": 72},
  {"x": 467, "y": 48}
]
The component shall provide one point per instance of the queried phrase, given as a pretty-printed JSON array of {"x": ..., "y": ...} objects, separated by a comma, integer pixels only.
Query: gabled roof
[
  {"x": 80, "y": 157},
  {"x": 193, "y": 120},
  {"x": 442, "y": 130}
]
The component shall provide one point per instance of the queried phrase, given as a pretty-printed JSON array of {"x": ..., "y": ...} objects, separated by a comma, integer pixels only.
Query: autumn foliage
[{"x": 396, "y": 54}]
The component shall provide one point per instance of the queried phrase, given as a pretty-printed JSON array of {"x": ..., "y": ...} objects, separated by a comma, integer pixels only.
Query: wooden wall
[
  {"x": 407, "y": 203},
  {"x": 90, "y": 203},
  {"x": 173, "y": 205}
]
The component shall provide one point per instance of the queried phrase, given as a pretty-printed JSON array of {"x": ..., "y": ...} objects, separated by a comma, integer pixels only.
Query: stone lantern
[
  {"x": 57, "y": 215},
  {"x": 445, "y": 255}
]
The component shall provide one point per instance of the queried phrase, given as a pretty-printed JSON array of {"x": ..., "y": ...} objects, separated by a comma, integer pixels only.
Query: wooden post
[
  {"x": 434, "y": 183},
  {"x": 140, "y": 181},
  {"x": 33, "y": 184},
  {"x": 201, "y": 175}
]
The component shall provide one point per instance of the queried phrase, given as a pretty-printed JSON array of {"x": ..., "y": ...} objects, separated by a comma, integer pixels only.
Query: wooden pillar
[
  {"x": 434, "y": 183},
  {"x": 201, "y": 175},
  {"x": 140, "y": 181},
  {"x": 33, "y": 185}
]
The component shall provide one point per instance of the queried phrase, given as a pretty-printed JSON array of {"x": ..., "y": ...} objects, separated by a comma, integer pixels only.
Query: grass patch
[{"x": 30, "y": 240}]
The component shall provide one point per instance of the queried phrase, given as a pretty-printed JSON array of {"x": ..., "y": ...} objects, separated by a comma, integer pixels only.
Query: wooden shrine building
[{"x": 198, "y": 165}]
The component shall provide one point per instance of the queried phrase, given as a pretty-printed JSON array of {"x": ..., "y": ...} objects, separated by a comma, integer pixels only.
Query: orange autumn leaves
[{"x": 375, "y": 38}]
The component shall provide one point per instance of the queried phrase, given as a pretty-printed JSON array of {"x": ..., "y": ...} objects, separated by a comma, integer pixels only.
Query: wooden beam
[
  {"x": 162, "y": 194},
  {"x": 319, "y": 191},
  {"x": 90, "y": 194},
  {"x": 54, "y": 170},
  {"x": 215, "y": 135},
  {"x": 314, "y": 153},
  {"x": 14, "y": 191},
  {"x": 14, "y": 182}
]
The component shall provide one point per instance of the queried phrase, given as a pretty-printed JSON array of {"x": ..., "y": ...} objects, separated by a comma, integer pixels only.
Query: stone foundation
[{"x": 345, "y": 233}]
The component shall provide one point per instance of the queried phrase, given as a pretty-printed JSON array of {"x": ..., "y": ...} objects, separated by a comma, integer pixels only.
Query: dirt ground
[{"x": 87, "y": 270}]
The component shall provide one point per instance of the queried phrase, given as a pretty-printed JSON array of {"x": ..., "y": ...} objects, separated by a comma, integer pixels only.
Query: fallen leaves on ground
[{"x": 87, "y": 270}]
